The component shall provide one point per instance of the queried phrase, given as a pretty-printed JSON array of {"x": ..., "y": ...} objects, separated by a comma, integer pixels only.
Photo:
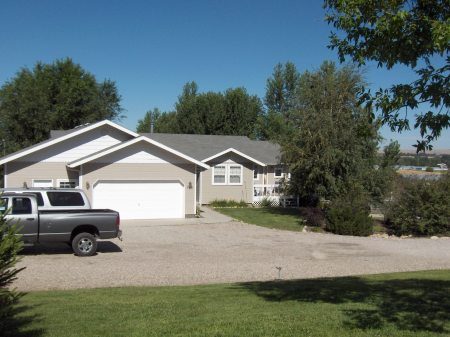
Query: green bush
[
  {"x": 420, "y": 208},
  {"x": 349, "y": 215},
  {"x": 223, "y": 203},
  {"x": 429, "y": 169},
  {"x": 266, "y": 202},
  {"x": 10, "y": 246},
  {"x": 314, "y": 216}
]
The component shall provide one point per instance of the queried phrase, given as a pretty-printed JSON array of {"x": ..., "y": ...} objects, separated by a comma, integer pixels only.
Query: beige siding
[
  {"x": 244, "y": 192},
  {"x": 79, "y": 146},
  {"x": 24, "y": 172},
  {"x": 271, "y": 179},
  {"x": 185, "y": 173}
]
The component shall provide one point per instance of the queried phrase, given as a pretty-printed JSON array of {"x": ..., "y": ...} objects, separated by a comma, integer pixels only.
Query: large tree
[
  {"x": 413, "y": 33},
  {"x": 61, "y": 95},
  {"x": 281, "y": 89},
  {"x": 331, "y": 144},
  {"x": 163, "y": 122},
  {"x": 233, "y": 112}
]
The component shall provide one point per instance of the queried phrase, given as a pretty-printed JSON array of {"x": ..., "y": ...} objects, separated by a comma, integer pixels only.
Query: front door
[{"x": 24, "y": 217}]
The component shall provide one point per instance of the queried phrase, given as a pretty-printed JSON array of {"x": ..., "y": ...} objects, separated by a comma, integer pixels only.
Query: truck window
[
  {"x": 3, "y": 205},
  {"x": 65, "y": 198},
  {"x": 39, "y": 200},
  {"x": 21, "y": 206}
]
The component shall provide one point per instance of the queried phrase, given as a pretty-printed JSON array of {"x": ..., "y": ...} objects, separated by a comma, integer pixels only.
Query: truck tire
[{"x": 84, "y": 244}]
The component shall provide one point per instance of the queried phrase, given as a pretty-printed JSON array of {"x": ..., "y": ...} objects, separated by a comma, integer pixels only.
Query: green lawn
[
  {"x": 280, "y": 218},
  {"x": 403, "y": 304}
]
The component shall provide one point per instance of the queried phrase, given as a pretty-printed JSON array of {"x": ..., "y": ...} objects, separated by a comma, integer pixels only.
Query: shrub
[
  {"x": 223, "y": 203},
  {"x": 266, "y": 202},
  {"x": 420, "y": 207},
  {"x": 429, "y": 169},
  {"x": 10, "y": 246},
  {"x": 314, "y": 216},
  {"x": 349, "y": 215}
]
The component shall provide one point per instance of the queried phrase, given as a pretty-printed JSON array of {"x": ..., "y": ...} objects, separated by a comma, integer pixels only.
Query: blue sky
[{"x": 152, "y": 48}]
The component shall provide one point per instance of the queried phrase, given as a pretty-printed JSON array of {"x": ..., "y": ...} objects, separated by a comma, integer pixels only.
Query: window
[
  {"x": 21, "y": 206},
  {"x": 65, "y": 198},
  {"x": 42, "y": 182},
  {"x": 235, "y": 174},
  {"x": 40, "y": 201},
  {"x": 227, "y": 174},
  {"x": 219, "y": 174},
  {"x": 3, "y": 205},
  {"x": 278, "y": 172},
  {"x": 67, "y": 183}
]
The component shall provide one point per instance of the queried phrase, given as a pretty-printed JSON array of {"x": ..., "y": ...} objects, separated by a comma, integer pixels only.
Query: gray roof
[{"x": 204, "y": 146}]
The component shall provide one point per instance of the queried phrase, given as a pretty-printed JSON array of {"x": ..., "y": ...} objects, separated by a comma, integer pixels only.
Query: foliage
[
  {"x": 422, "y": 159},
  {"x": 266, "y": 202},
  {"x": 280, "y": 100},
  {"x": 349, "y": 214},
  {"x": 414, "y": 34},
  {"x": 429, "y": 169},
  {"x": 10, "y": 246},
  {"x": 331, "y": 140},
  {"x": 314, "y": 216},
  {"x": 233, "y": 112},
  {"x": 61, "y": 95},
  {"x": 227, "y": 203},
  {"x": 271, "y": 217},
  {"x": 163, "y": 122},
  {"x": 420, "y": 207}
]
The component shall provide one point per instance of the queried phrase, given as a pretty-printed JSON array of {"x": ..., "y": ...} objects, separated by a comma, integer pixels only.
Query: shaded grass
[
  {"x": 403, "y": 304},
  {"x": 271, "y": 217}
]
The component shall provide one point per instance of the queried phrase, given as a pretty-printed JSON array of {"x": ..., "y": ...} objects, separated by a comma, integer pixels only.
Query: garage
[{"x": 148, "y": 199}]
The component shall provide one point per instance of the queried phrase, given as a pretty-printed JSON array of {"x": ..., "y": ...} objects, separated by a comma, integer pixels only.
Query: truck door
[{"x": 25, "y": 215}]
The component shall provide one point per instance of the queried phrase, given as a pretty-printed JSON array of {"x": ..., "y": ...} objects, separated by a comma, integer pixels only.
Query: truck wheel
[{"x": 84, "y": 244}]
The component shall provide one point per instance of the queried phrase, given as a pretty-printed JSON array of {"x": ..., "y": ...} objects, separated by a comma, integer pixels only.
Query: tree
[
  {"x": 61, "y": 95},
  {"x": 163, "y": 122},
  {"x": 10, "y": 246},
  {"x": 332, "y": 144},
  {"x": 233, "y": 112},
  {"x": 279, "y": 100},
  {"x": 415, "y": 34}
]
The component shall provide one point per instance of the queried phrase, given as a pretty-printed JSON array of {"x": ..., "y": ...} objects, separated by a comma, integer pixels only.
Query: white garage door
[{"x": 141, "y": 199}]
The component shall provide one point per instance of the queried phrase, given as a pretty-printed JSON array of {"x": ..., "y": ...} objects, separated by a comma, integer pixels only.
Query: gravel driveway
[{"x": 192, "y": 252}]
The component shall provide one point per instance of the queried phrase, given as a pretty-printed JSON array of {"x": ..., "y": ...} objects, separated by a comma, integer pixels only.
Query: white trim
[
  {"x": 275, "y": 170},
  {"x": 195, "y": 190},
  {"x": 129, "y": 143},
  {"x": 41, "y": 179},
  {"x": 5, "y": 176},
  {"x": 201, "y": 188},
  {"x": 236, "y": 152},
  {"x": 68, "y": 136},
  {"x": 65, "y": 180},
  {"x": 225, "y": 174},
  {"x": 229, "y": 173},
  {"x": 80, "y": 177}
]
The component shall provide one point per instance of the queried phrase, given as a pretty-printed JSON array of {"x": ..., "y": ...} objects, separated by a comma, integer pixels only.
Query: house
[{"x": 148, "y": 176}]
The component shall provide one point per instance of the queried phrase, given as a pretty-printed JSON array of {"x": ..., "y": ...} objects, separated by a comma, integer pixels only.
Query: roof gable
[
  {"x": 63, "y": 136},
  {"x": 124, "y": 145}
]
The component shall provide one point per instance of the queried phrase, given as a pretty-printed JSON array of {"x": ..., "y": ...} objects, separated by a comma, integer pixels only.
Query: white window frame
[
  {"x": 275, "y": 172},
  {"x": 59, "y": 181},
  {"x": 34, "y": 180},
  {"x": 213, "y": 174},
  {"x": 227, "y": 174}
]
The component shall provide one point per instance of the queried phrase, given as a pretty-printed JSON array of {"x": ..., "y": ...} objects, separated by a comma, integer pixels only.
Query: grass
[
  {"x": 276, "y": 217},
  {"x": 403, "y": 304}
]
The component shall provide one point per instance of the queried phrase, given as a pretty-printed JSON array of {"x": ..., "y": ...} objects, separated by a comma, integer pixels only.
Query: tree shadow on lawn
[
  {"x": 16, "y": 320},
  {"x": 409, "y": 304}
]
